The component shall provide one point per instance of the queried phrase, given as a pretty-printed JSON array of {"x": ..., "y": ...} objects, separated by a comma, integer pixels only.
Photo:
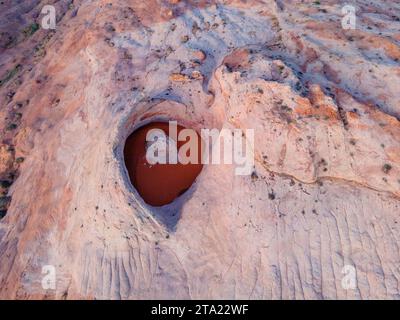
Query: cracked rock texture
[{"x": 324, "y": 106}]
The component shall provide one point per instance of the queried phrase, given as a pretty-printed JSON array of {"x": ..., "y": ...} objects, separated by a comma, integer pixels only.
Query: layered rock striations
[{"x": 325, "y": 190}]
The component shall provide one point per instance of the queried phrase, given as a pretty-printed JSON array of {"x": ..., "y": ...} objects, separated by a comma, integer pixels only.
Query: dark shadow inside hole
[
  {"x": 183, "y": 191},
  {"x": 170, "y": 214}
]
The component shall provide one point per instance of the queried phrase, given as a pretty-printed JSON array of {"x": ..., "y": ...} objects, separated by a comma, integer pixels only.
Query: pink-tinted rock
[{"x": 324, "y": 191}]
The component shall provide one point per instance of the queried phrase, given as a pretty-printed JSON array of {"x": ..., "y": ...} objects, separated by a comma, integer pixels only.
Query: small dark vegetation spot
[
  {"x": 31, "y": 29},
  {"x": 19, "y": 160},
  {"x": 271, "y": 195},
  {"x": 10, "y": 74},
  {"x": 386, "y": 168},
  {"x": 11, "y": 126}
]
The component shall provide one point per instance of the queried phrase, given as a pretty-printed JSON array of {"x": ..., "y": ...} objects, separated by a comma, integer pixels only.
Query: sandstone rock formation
[{"x": 325, "y": 191}]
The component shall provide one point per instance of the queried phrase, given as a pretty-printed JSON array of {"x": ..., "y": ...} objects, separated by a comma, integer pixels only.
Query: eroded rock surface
[{"x": 325, "y": 191}]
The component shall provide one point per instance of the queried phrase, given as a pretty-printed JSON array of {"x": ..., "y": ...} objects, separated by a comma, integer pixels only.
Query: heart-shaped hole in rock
[{"x": 163, "y": 160}]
